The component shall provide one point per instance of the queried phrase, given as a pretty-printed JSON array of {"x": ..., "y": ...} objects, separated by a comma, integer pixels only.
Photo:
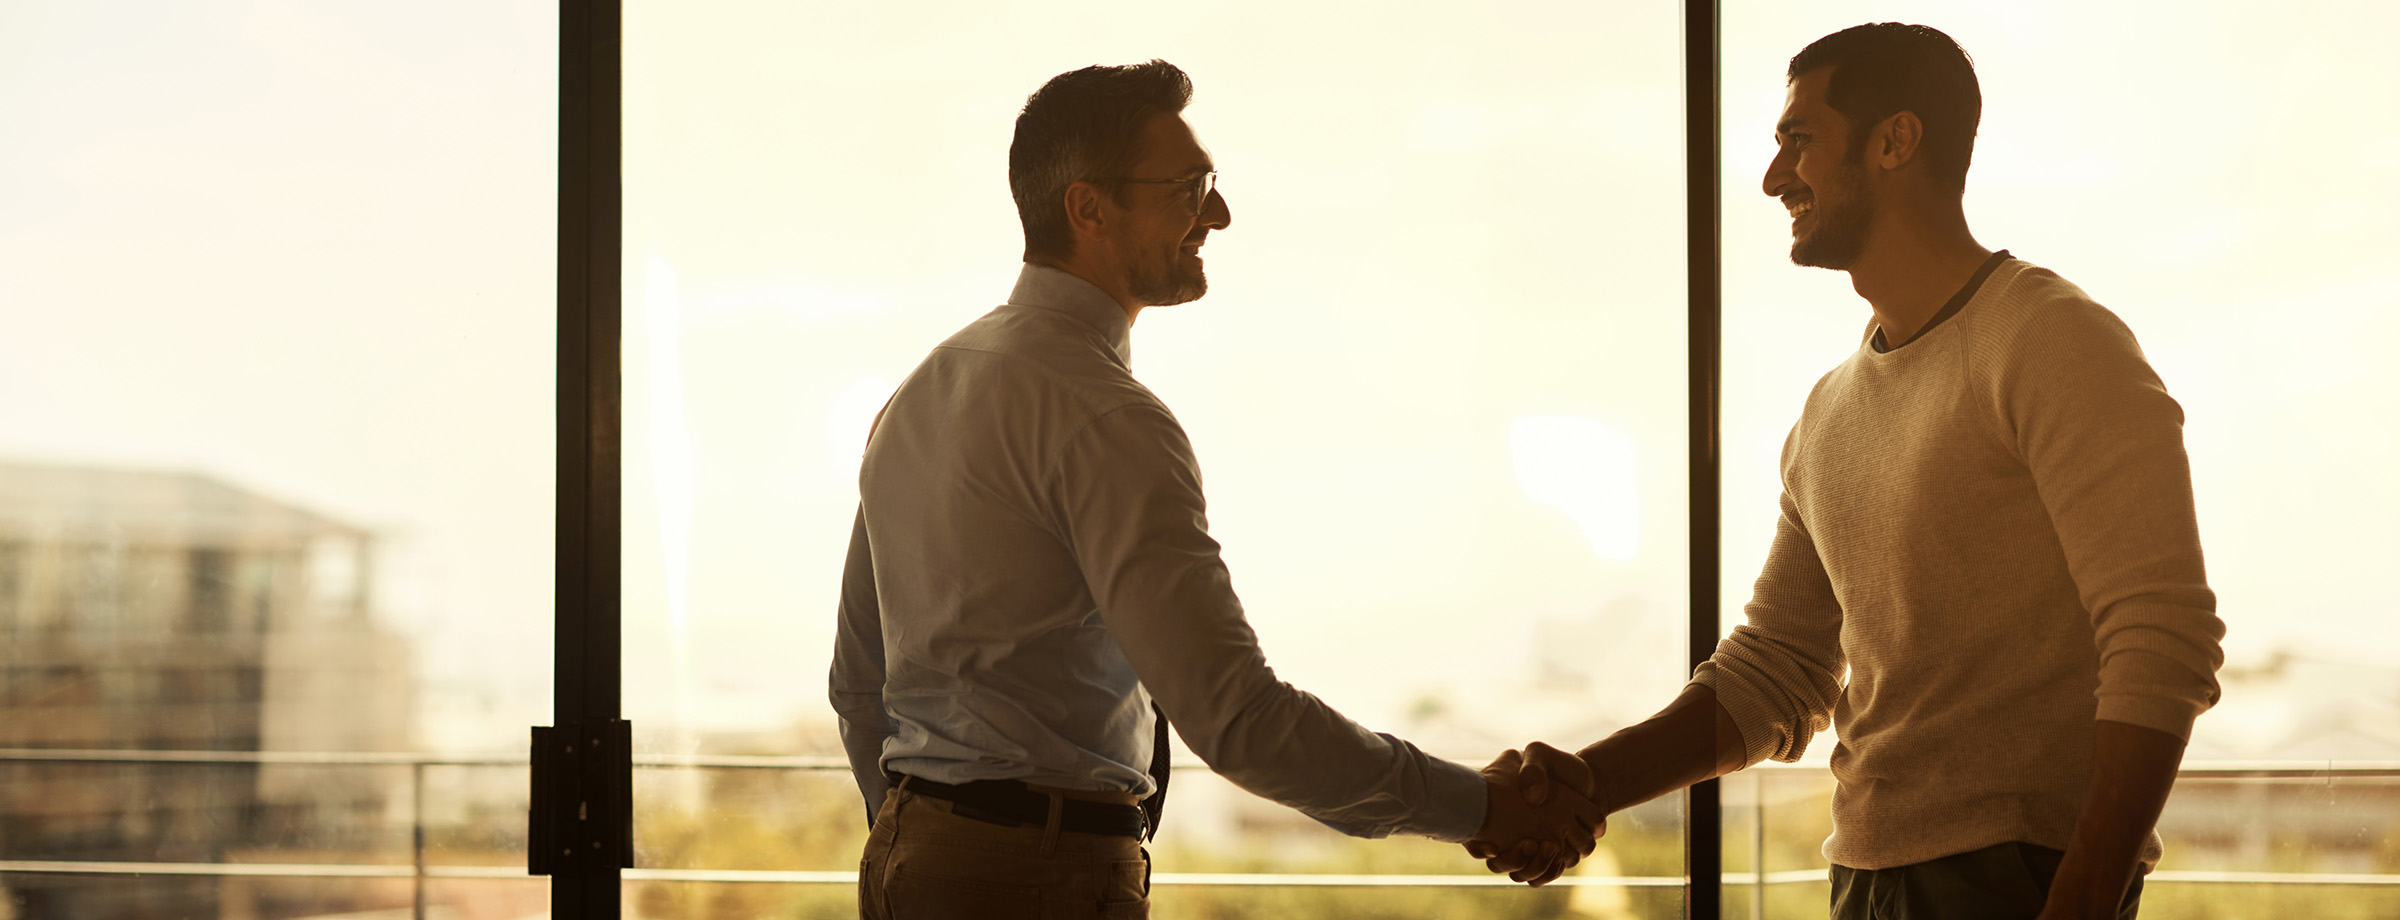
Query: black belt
[{"x": 1009, "y": 803}]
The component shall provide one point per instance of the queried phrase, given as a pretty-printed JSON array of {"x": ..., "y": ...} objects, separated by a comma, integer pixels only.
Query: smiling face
[
  {"x": 1820, "y": 175},
  {"x": 1159, "y": 238},
  {"x": 1158, "y": 229}
]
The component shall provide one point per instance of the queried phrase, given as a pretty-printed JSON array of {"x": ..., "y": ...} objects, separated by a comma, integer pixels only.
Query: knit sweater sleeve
[
  {"x": 1779, "y": 674},
  {"x": 2069, "y": 388}
]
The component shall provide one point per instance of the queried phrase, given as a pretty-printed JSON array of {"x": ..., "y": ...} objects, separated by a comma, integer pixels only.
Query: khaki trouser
[{"x": 924, "y": 863}]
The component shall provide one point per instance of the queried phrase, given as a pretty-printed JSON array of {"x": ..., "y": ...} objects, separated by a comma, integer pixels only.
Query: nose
[
  {"x": 1214, "y": 213},
  {"x": 1779, "y": 173}
]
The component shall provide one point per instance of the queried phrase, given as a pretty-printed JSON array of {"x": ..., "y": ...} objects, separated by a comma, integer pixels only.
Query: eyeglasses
[{"x": 1199, "y": 187}]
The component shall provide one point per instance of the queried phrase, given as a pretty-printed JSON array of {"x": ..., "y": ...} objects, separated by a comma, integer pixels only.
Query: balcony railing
[{"x": 423, "y": 870}]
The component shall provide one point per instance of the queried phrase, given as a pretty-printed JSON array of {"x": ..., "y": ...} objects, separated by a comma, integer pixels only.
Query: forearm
[
  {"x": 1691, "y": 740},
  {"x": 2133, "y": 769},
  {"x": 856, "y": 681},
  {"x": 862, "y": 742},
  {"x": 1288, "y": 746},
  {"x": 1129, "y": 506}
]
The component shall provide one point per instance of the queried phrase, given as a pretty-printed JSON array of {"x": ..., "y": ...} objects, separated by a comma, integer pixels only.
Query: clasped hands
[{"x": 1539, "y": 819}]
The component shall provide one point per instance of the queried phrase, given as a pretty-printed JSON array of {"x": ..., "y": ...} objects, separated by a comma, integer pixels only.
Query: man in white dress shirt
[{"x": 1031, "y": 584}]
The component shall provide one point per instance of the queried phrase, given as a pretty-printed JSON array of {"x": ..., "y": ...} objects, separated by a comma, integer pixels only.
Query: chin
[
  {"x": 1186, "y": 287},
  {"x": 1812, "y": 252},
  {"x": 1185, "y": 294}
]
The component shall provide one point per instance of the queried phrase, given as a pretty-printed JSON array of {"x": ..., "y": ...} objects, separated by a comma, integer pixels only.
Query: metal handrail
[
  {"x": 422, "y": 871},
  {"x": 1253, "y": 879},
  {"x": 2207, "y": 769},
  {"x": 2219, "y": 769}
]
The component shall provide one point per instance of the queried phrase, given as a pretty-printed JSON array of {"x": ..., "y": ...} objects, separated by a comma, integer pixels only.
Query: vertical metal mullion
[
  {"x": 589, "y": 370},
  {"x": 1704, "y": 829},
  {"x": 581, "y": 811}
]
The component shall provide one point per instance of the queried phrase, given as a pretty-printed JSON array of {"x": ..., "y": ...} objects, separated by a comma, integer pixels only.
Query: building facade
[{"x": 171, "y": 611}]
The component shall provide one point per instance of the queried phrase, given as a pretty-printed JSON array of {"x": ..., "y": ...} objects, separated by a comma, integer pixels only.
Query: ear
[
  {"x": 1897, "y": 139},
  {"x": 1087, "y": 212}
]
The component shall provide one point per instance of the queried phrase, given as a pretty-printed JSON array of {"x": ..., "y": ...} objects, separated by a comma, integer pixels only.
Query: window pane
[
  {"x": 2150, "y": 161},
  {"x": 1436, "y": 386},
  {"x": 275, "y": 448}
]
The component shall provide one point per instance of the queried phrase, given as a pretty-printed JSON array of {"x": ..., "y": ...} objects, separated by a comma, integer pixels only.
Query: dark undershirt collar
[{"x": 1957, "y": 302}]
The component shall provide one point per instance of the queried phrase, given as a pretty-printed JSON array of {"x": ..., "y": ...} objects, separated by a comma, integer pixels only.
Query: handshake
[{"x": 1540, "y": 818}]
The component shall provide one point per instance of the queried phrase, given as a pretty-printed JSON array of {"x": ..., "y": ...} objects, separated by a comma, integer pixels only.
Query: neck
[
  {"x": 1102, "y": 275},
  {"x": 1912, "y": 264}
]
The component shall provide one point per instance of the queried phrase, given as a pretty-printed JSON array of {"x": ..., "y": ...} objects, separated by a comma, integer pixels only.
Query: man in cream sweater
[{"x": 1986, "y": 572}]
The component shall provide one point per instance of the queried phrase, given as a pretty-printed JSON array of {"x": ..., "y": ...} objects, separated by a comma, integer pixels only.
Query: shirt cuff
[{"x": 1454, "y": 803}]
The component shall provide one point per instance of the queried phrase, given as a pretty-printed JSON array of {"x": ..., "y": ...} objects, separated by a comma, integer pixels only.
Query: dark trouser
[
  {"x": 2007, "y": 881},
  {"x": 925, "y": 863}
]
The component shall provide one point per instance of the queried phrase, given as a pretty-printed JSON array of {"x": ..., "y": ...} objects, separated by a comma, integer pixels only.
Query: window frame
[{"x": 588, "y": 647}]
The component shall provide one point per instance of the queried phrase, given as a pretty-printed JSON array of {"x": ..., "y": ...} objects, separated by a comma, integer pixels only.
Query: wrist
[
  {"x": 1491, "y": 808},
  {"x": 1605, "y": 785}
]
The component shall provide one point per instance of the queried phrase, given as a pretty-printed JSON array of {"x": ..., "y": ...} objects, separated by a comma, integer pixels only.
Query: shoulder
[
  {"x": 1022, "y": 349},
  {"x": 2042, "y": 348},
  {"x": 2027, "y": 307}
]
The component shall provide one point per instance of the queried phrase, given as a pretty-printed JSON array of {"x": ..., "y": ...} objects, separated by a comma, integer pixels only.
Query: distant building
[{"x": 172, "y": 611}]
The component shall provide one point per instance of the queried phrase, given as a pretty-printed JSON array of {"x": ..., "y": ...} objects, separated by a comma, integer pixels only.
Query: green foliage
[
  {"x": 1630, "y": 850},
  {"x": 785, "y": 820},
  {"x": 1345, "y": 857},
  {"x": 746, "y": 819},
  {"x": 2269, "y": 902}
]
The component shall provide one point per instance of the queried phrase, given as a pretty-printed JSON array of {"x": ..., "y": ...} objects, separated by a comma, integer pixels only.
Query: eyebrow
[
  {"x": 1789, "y": 125},
  {"x": 1205, "y": 164}
]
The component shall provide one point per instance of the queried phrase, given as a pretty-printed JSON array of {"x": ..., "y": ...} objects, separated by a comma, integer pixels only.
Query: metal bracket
[{"x": 581, "y": 822}]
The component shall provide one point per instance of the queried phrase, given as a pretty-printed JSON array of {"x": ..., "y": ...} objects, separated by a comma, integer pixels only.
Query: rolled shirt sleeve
[{"x": 1779, "y": 674}]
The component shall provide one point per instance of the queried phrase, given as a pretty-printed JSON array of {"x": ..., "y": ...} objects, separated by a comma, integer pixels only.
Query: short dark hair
[
  {"x": 1082, "y": 125},
  {"x": 1881, "y": 69}
]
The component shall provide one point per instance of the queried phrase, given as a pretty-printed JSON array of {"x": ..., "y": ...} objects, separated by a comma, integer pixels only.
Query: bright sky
[{"x": 308, "y": 248}]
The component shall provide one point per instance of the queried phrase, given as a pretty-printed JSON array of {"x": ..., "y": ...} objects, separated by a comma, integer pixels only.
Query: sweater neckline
[{"x": 1949, "y": 309}]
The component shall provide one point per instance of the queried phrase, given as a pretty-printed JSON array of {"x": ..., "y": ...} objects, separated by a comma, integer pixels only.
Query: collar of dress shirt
[{"x": 1052, "y": 289}]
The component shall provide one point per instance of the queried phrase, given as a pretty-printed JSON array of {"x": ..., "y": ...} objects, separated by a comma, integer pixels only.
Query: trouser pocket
[
  {"x": 1125, "y": 891},
  {"x": 920, "y": 895}
]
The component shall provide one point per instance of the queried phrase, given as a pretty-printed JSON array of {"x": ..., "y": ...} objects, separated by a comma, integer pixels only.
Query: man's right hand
[
  {"x": 1540, "y": 819},
  {"x": 1693, "y": 739},
  {"x": 1546, "y": 766}
]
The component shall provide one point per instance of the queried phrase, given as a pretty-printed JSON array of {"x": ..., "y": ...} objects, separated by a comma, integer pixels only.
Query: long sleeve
[
  {"x": 1128, "y": 503},
  {"x": 1779, "y": 674},
  {"x": 857, "y": 678},
  {"x": 2104, "y": 443},
  {"x": 1987, "y": 543}
]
